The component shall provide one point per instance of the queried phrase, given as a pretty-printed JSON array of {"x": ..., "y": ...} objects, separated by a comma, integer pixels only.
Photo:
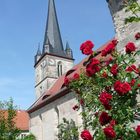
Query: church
[{"x": 54, "y": 101}]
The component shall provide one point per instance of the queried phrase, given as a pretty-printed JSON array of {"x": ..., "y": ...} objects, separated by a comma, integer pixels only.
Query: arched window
[{"x": 59, "y": 69}]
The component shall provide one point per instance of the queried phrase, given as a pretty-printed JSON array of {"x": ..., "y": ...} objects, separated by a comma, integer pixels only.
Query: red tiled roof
[
  {"x": 57, "y": 87},
  {"x": 21, "y": 120}
]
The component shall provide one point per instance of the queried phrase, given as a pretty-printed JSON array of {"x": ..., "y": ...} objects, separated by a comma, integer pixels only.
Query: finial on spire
[
  {"x": 38, "y": 54},
  {"x": 68, "y": 50},
  {"x": 38, "y": 51}
]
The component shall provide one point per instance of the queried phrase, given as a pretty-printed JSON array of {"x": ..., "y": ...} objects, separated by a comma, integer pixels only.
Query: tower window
[{"x": 59, "y": 69}]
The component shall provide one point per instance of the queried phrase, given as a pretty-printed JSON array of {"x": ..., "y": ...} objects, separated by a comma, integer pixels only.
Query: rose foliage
[{"x": 107, "y": 90}]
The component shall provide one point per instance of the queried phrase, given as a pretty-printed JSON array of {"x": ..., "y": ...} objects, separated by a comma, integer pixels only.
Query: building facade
[
  {"x": 51, "y": 63},
  {"x": 53, "y": 100}
]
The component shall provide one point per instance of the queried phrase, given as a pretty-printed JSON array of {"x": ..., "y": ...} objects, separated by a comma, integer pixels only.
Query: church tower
[
  {"x": 53, "y": 60},
  {"x": 124, "y": 32}
]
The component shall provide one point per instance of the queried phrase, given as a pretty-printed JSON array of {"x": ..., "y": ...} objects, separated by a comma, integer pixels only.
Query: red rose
[
  {"x": 138, "y": 130},
  {"x": 86, "y": 47},
  {"x": 66, "y": 81},
  {"x": 96, "y": 114},
  {"x": 89, "y": 72},
  {"x": 104, "y": 118},
  {"x": 76, "y": 76},
  {"x": 132, "y": 68},
  {"x": 76, "y": 107},
  {"x": 109, "y": 49},
  {"x": 133, "y": 81},
  {"x": 85, "y": 135},
  {"x": 92, "y": 70},
  {"x": 113, "y": 122},
  {"x": 94, "y": 61},
  {"x": 122, "y": 88},
  {"x": 109, "y": 132},
  {"x": 104, "y": 75},
  {"x": 130, "y": 47},
  {"x": 87, "y": 51},
  {"x": 82, "y": 102},
  {"x": 107, "y": 88},
  {"x": 126, "y": 87},
  {"x": 137, "y": 36},
  {"x": 104, "y": 99},
  {"x": 115, "y": 41},
  {"x": 92, "y": 67},
  {"x": 114, "y": 69}
]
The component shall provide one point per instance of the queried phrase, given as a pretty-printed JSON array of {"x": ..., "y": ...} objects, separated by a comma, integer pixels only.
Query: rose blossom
[
  {"x": 86, "y": 47},
  {"x": 108, "y": 88},
  {"x": 81, "y": 102},
  {"x": 115, "y": 41},
  {"x": 132, "y": 68},
  {"x": 113, "y": 123},
  {"x": 109, "y": 132},
  {"x": 92, "y": 70},
  {"x": 94, "y": 61},
  {"x": 76, "y": 107},
  {"x": 109, "y": 49},
  {"x": 104, "y": 118},
  {"x": 66, "y": 81},
  {"x": 137, "y": 36},
  {"x": 114, "y": 69},
  {"x": 76, "y": 76},
  {"x": 133, "y": 81},
  {"x": 122, "y": 88},
  {"x": 138, "y": 130},
  {"x": 104, "y": 74},
  {"x": 104, "y": 99},
  {"x": 85, "y": 135},
  {"x": 130, "y": 47},
  {"x": 92, "y": 67}
]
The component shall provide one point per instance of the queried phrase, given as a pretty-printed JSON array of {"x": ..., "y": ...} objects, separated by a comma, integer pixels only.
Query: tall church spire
[{"x": 52, "y": 32}]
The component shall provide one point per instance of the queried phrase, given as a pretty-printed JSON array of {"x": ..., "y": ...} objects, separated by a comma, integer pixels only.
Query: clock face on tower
[
  {"x": 43, "y": 64},
  {"x": 51, "y": 62}
]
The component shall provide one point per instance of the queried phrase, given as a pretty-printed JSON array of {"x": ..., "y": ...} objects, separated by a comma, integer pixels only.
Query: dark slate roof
[{"x": 52, "y": 32}]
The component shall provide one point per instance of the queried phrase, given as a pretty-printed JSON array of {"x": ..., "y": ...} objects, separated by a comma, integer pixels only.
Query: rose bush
[{"x": 107, "y": 89}]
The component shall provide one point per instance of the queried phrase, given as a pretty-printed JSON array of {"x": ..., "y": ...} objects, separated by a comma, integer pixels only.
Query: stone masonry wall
[{"x": 44, "y": 122}]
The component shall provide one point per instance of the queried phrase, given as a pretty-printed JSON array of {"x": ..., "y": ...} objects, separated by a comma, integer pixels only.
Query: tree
[
  {"x": 8, "y": 129},
  {"x": 68, "y": 130},
  {"x": 133, "y": 7},
  {"x": 29, "y": 137}
]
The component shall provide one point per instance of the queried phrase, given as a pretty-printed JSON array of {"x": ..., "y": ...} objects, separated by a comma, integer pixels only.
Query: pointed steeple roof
[
  {"x": 38, "y": 51},
  {"x": 38, "y": 54},
  {"x": 67, "y": 46},
  {"x": 68, "y": 50},
  {"x": 52, "y": 32}
]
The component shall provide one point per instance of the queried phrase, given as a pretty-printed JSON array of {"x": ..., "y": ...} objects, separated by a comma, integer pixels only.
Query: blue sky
[{"x": 22, "y": 26}]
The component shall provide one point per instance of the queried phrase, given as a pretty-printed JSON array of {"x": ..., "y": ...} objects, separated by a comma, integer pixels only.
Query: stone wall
[
  {"x": 46, "y": 72},
  {"x": 44, "y": 122},
  {"x": 123, "y": 31}
]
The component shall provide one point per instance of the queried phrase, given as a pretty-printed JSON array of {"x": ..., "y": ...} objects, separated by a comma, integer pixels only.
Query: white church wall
[{"x": 45, "y": 126}]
